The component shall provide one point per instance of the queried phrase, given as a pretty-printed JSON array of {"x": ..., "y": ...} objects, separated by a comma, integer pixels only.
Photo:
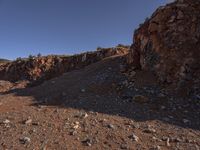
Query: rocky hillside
[
  {"x": 44, "y": 68},
  {"x": 97, "y": 101},
  {"x": 169, "y": 43}
]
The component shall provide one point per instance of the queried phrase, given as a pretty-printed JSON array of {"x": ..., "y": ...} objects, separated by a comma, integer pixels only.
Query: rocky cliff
[
  {"x": 44, "y": 68},
  {"x": 169, "y": 43}
]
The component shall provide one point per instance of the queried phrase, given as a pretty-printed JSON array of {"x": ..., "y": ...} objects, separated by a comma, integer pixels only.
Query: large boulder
[{"x": 169, "y": 42}]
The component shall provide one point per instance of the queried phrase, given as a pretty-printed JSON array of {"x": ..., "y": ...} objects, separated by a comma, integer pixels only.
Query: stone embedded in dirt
[
  {"x": 136, "y": 126},
  {"x": 111, "y": 126},
  {"x": 156, "y": 139},
  {"x": 134, "y": 137},
  {"x": 72, "y": 132},
  {"x": 197, "y": 147},
  {"x": 87, "y": 142},
  {"x": 6, "y": 121},
  {"x": 76, "y": 125},
  {"x": 25, "y": 140},
  {"x": 149, "y": 130},
  {"x": 85, "y": 115},
  {"x": 167, "y": 142},
  {"x": 82, "y": 115},
  {"x": 28, "y": 121},
  {"x": 140, "y": 99},
  {"x": 173, "y": 139}
]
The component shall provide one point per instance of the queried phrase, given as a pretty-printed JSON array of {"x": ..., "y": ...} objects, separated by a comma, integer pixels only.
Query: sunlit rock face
[
  {"x": 169, "y": 42},
  {"x": 47, "y": 67}
]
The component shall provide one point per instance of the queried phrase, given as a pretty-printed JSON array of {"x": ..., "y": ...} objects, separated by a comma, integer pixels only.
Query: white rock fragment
[
  {"x": 167, "y": 142},
  {"x": 6, "y": 121},
  {"x": 134, "y": 137},
  {"x": 25, "y": 140},
  {"x": 76, "y": 125},
  {"x": 28, "y": 121}
]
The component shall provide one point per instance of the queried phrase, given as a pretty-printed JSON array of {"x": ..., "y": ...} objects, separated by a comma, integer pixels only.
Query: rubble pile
[
  {"x": 168, "y": 43},
  {"x": 44, "y": 68}
]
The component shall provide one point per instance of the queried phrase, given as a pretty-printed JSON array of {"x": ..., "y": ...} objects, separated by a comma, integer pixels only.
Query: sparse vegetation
[
  {"x": 30, "y": 57},
  {"x": 18, "y": 59},
  {"x": 99, "y": 48},
  {"x": 39, "y": 55}
]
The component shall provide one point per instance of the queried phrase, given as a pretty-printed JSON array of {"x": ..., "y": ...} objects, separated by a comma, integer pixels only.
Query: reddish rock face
[
  {"x": 169, "y": 42},
  {"x": 44, "y": 68}
]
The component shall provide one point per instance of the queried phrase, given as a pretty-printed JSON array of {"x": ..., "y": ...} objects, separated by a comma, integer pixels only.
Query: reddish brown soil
[{"x": 94, "y": 108}]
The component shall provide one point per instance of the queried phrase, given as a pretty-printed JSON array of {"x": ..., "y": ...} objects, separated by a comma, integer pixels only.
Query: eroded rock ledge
[{"x": 44, "y": 68}]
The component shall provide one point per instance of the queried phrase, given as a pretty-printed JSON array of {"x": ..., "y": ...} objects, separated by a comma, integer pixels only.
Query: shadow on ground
[{"x": 94, "y": 89}]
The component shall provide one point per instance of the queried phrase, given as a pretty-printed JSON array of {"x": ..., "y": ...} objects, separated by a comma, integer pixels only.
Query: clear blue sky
[{"x": 68, "y": 26}]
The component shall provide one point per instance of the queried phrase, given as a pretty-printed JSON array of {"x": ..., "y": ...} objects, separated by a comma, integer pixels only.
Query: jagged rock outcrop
[
  {"x": 44, "y": 68},
  {"x": 169, "y": 42}
]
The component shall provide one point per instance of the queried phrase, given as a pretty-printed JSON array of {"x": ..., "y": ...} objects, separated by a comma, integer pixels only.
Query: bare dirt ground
[{"x": 98, "y": 107}]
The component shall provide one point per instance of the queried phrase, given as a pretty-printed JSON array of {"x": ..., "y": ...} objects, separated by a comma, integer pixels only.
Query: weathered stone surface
[
  {"x": 44, "y": 68},
  {"x": 169, "y": 42}
]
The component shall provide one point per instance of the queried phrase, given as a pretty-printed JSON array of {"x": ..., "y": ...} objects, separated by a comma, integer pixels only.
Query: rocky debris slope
[
  {"x": 169, "y": 43},
  {"x": 44, "y": 68},
  {"x": 85, "y": 109}
]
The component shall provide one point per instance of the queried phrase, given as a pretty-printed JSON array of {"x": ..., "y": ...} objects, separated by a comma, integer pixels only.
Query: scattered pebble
[
  {"x": 111, "y": 126},
  {"x": 28, "y": 121},
  {"x": 76, "y": 125},
  {"x": 6, "y": 121},
  {"x": 73, "y": 132},
  {"x": 82, "y": 115},
  {"x": 25, "y": 140},
  {"x": 150, "y": 130},
  {"x": 167, "y": 142},
  {"x": 87, "y": 142},
  {"x": 156, "y": 139},
  {"x": 134, "y": 137}
]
